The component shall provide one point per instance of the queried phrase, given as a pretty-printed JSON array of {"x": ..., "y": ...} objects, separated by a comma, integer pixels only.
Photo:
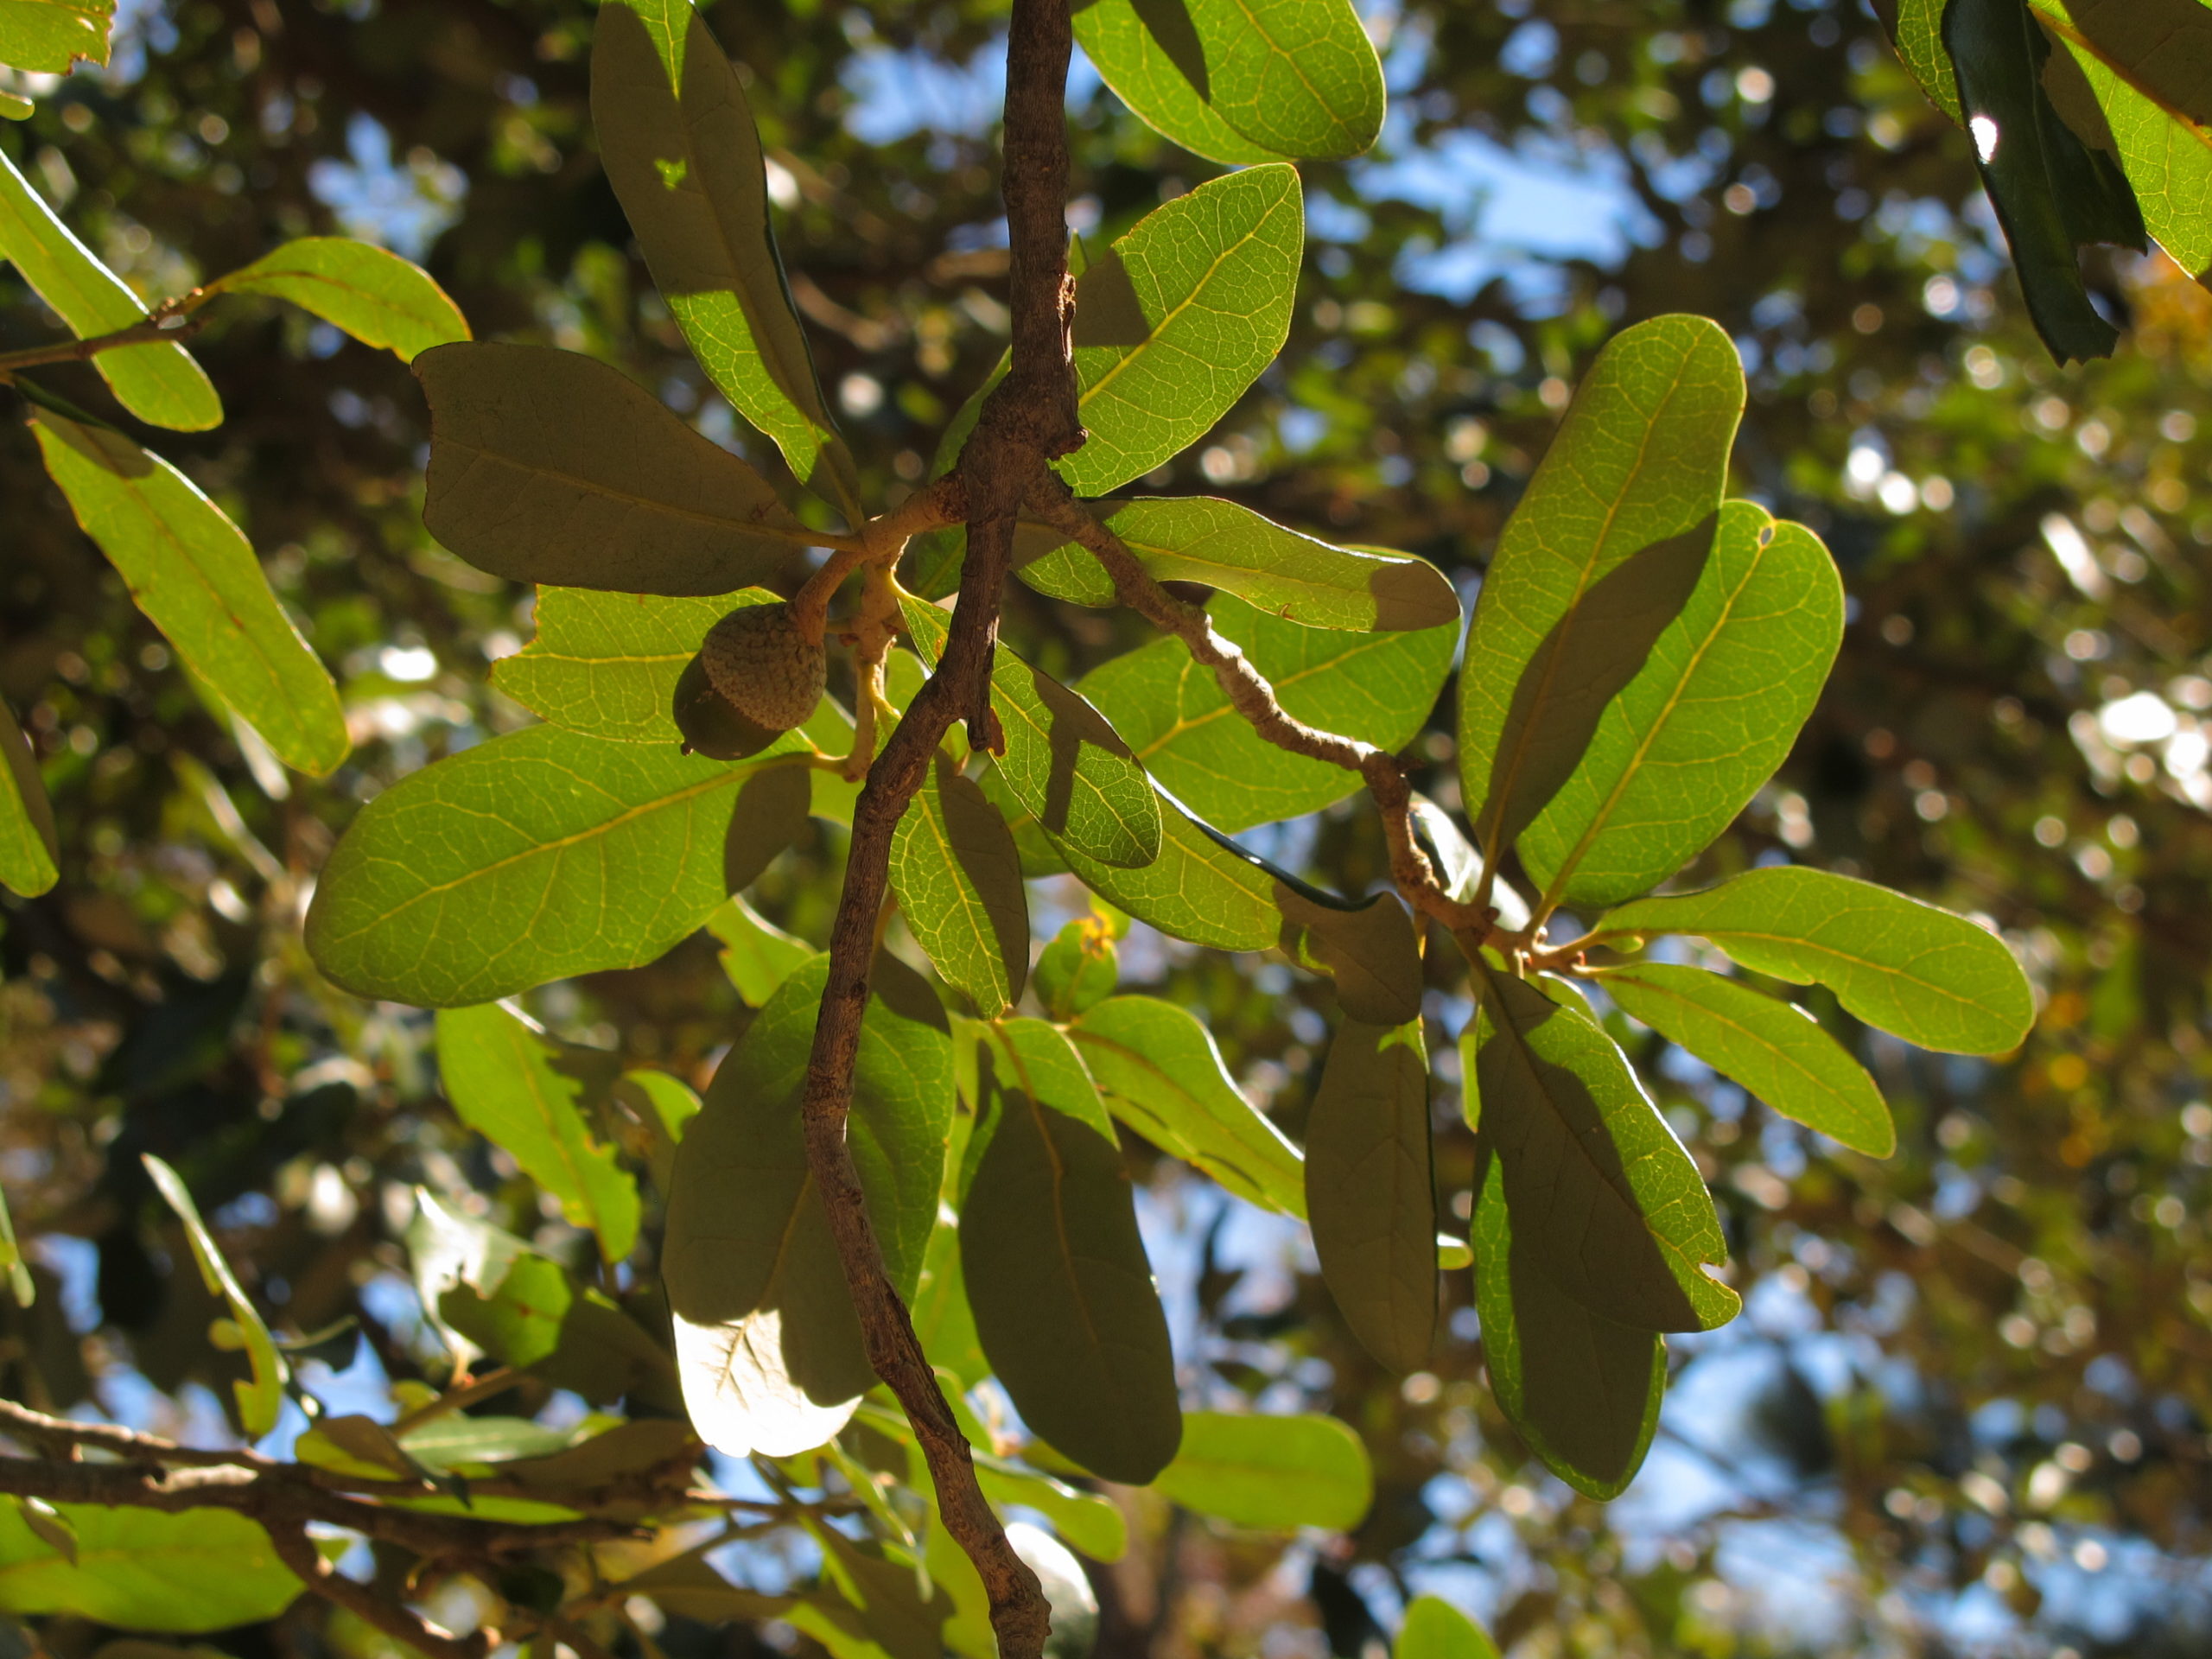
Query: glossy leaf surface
[
  {"x": 375, "y": 295},
  {"x": 958, "y": 879},
  {"x": 1920, "y": 973},
  {"x": 1270, "y": 1473},
  {"x": 192, "y": 1571}
]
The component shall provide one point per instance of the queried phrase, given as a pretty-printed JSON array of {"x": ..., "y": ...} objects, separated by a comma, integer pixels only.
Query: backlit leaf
[
  {"x": 1922, "y": 974},
  {"x": 958, "y": 880},
  {"x": 158, "y": 382},
  {"x": 1708, "y": 718},
  {"x": 1090, "y": 1522},
  {"x": 551, "y": 466},
  {"x": 767, "y": 1340},
  {"x": 1162, "y": 1075},
  {"x": 1377, "y": 688},
  {"x": 1776, "y": 1051},
  {"x": 1241, "y": 80},
  {"x": 371, "y": 294},
  {"x": 1077, "y": 969},
  {"x": 528, "y": 1093},
  {"x": 191, "y": 1571},
  {"x": 195, "y": 576},
  {"x": 1434, "y": 1628},
  {"x": 1604, "y": 549},
  {"x": 1199, "y": 887},
  {"x": 757, "y": 955},
  {"x": 260, "y": 1400},
  {"x": 1294, "y": 578},
  {"x": 30, "y": 848},
  {"x": 46, "y": 37},
  {"x": 1600, "y": 1189},
  {"x": 528, "y": 858},
  {"x": 1918, "y": 29},
  {"x": 1178, "y": 317},
  {"x": 1268, "y": 1473},
  {"x": 676, "y": 137},
  {"x": 1055, "y": 1270}
]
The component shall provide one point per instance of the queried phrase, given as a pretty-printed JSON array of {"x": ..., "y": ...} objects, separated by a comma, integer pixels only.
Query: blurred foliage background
[{"x": 1968, "y": 1410}]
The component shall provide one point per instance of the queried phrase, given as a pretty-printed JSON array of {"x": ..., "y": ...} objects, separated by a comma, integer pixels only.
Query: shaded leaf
[
  {"x": 769, "y": 818},
  {"x": 1279, "y": 572},
  {"x": 529, "y": 1093},
  {"x": 689, "y": 1588},
  {"x": 158, "y": 382},
  {"x": 1434, "y": 1628},
  {"x": 457, "y": 1440},
  {"x": 1776, "y": 1049},
  {"x": 46, "y": 37},
  {"x": 551, "y": 466},
  {"x": 1600, "y": 1189},
  {"x": 1178, "y": 317},
  {"x": 1377, "y": 688},
  {"x": 1706, "y": 719},
  {"x": 1922, "y": 974},
  {"x": 1370, "y": 1194},
  {"x": 757, "y": 955},
  {"x": 195, "y": 576},
  {"x": 1056, "y": 1273},
  {"x": 1268, "y": 1473},
  {"x": 188, "y": 1571},
  {"x": 1369, "y": 948},
  {"x": 30, "y": 847},
  {"x": 1162, "y": 1075},
  {"x": 260, "y": 1400},
  {"x": 371, "y": 294},
  {"x": 767, "y": 1343},
  {"x": 676, "y": 137},
  {"x": 958, "y": 880}
]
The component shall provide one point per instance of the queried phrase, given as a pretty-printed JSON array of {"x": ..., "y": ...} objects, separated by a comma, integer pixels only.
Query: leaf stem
[{"x": 173, "y": 320}]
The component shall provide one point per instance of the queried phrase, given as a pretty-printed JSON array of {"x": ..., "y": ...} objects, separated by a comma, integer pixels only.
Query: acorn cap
[
  {"x": 710, "y": 725},
  {"x": 764, "y": 667}
]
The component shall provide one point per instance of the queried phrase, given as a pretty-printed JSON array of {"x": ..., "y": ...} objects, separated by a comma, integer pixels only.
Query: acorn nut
[{"x": 755, "y": 677}]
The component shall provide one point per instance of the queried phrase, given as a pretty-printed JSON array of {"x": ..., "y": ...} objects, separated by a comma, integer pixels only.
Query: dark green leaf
[
  {"x": 377, "y": 297},
  {"x": 46, "y": 37},
  {"x": 1599, "y": 1188},
  {"x": 1079, "y": 970},
  {"x": 770, "y": 817},
  {"x": 676, "y": 137},
  {"x": 30, "y": 848},
  {"x": 1178, "y": 317},
  {"x": 1776, "y": 1050},
  {"x": 1370, "y": 1194},
  {"x": 1056, "y": 1272},
  {"x": 192, "y": 1571},
  {"x": 1370, "y": 949},
  {"x": 958, "y": 879},
  {"x": 1162, "y": 1075},
  {"x": 1274, "y": 1473},
  {"x": 260, "y": 1400},
  {"x": 1925, "y": 975},
  {"x": 1581, "y": 1390},
  {"x": 195, "y": 576},
  {"x": 550, "y": 467},
  {"x": 159, "y": 382},
  {"x": 767, "y": 1340},
  {"x": 1708, "y": 718},
  {"x": 528, "y": 1093},
  {"x": 1434, "y": 1628},
  {"x": 1377, "y": 688}
]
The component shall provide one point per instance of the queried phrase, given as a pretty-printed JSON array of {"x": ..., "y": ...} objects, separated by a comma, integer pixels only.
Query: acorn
[{"x": 756, "y": 677}]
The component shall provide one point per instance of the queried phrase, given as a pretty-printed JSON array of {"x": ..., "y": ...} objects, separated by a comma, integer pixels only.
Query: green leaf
[
  {"x": 2053, "y": 193},
  {"x": 457, "y": 1441},
  {"x": 21, "y": 1285},
  {"x": 195, "y": 576},
  {"x": 1199, "y": 887},
  {"x": 1079, "y": 970},
  {"x": 1774, "y": 1049},
  {"x": 1178, "y": 317},
  {"x": 192, "y": 1571},
  {"x": 767, "y": 1340},
  {"x": 1603, "y": 550},
  {"x": 1377, "y": 688},
  {"x": 1062, "y": 761},
  {"x": 676, "y": 137},
  {"x": 1241, "y": 80},
  {"x": 260, "y": 1400},
  {"x": 1197, "y": 539},
  {"x": 46, "y": 37},
  {"x": 1922, "y": 974},
  {"x": 1369, "y": 948},
  {"x": 1370, "y": 1194},
  {"x": 1055, "y": 1270},
  {"x": 1918, "y": 29},
  {"x": 1599, "y": 1188},
  {"x": 550, "y": 467},
  {"x": 375, "y": 295},
  {"x": 958, "y": 881},
  {"x": 886, "y": 1610},
  {"x": 757, "y": 955},
  {"x": 1706, "y": 719},
  {"x": 1087, "y": 1521},
  {"x": 1163, "y": 1075},
  {"x": 528, "y": 1093},
  {"x": 1434, "y": 1628},
  {"x": 943, "y": 1321},
  {"x": 2143, "y": 69},
  {"x": 528, "y": 858},
  {"x": 1270, "y": 1473},
  {"x": 30, "y": 847},
  {"x": 1581, "y": 1390},
  {"x": 769, "y": 819},
  {"x": 158, "y": 382}
]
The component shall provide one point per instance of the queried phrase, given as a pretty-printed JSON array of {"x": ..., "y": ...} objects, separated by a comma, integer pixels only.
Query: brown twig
[
  {"x": 171, "y": 321},
  {"x": 385, "y": 1613},
  {"x": 1029, "y": 418}
]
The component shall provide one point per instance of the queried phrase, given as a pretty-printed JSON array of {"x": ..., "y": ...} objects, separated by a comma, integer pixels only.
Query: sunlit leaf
[
  {"x": 189, "y": 1571},
  {"x": 757, "y": 955},
  {"x": 371, "y": 294},
  {"x": 1090, "y": 1522},
  {"x": 1077, "y": 969},
  {"x": 1269, "y": 1472},
  {"x": 1434, "y": 1628},
  {"x": 958, "y": 881},
  {"x": 260, "y": 1400},
  {"x": 46, "y": 37},
  {"x": 30, "y": 847}
]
